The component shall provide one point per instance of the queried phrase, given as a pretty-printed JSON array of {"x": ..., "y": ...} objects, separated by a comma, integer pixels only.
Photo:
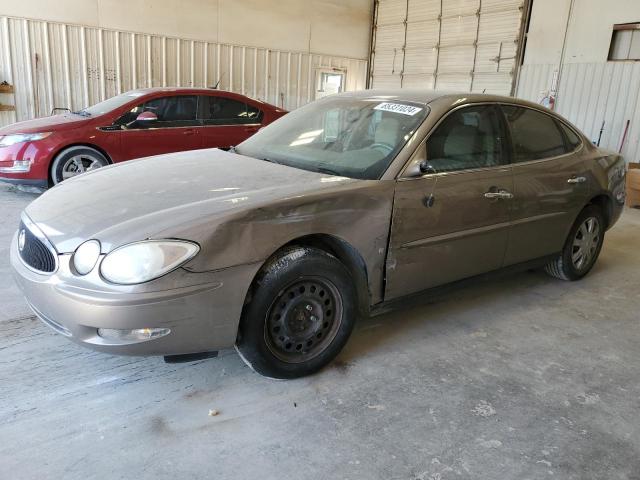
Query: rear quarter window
[{"x": 573, "y": 140}]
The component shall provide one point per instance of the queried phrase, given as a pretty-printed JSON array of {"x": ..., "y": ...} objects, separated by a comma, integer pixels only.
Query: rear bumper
[{"x": 202, "y": 310}]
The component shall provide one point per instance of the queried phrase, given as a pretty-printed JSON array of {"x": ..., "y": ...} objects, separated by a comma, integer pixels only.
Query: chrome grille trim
[{"x": 36, "y": 232}]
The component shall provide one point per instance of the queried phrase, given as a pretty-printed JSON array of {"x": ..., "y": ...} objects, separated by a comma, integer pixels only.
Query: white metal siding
[
  {"x": 467, "y": 45},
  {"x": 62, "y": 65},
  {"x": 590, "y": 93}
]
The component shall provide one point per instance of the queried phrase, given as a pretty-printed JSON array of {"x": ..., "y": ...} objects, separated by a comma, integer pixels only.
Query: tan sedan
[{"x": 343, "y": 207}]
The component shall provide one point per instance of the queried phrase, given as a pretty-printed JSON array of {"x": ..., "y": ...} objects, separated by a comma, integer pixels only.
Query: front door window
[
  {"x": 469, "y": 138},
  {"x": 175, "y": 111}
]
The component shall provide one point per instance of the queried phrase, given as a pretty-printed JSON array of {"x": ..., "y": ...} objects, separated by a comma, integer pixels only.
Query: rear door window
[
  {"x": 226, "y": 111},
  {"x": 535, "y": 135}
]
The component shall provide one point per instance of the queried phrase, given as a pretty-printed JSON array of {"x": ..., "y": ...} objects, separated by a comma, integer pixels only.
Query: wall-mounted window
[{"x": 625, "y": 42}]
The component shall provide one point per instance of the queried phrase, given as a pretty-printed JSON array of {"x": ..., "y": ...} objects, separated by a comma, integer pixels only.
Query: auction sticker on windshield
[{"x": 398, "y": 108}]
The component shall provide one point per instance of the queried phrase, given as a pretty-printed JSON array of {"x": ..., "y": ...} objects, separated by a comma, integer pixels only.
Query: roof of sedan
[
  {"x": 177, "y": 89},
  {"x": 424, "y": 96},
  {"x": 146, "y": 91},
  {"x": 194, "y": 91}
]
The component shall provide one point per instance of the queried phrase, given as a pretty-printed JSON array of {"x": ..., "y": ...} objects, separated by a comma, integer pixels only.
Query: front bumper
[
  {"x": 25, "y": 181},
  {"x": 27, "y": 163},
  {"x": 202, "y": 310}
]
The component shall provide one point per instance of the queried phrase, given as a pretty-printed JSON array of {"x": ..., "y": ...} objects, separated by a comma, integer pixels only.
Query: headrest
[
  {"x": 388, "y": 131},
  {"x": 460, "y": 141}
]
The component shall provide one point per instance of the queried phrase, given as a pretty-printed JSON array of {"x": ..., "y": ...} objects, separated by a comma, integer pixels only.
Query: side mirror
[
  {"x": 426, "y": 167},
  {"x": 147, "y": 116}
]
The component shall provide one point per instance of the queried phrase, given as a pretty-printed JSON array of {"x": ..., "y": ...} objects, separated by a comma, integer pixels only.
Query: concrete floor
[{"x": 522, "y": 377}]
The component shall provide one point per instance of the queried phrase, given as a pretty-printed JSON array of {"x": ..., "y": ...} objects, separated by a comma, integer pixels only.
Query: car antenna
[
  {"x": 215, "y": 87},
  {"x": 600, "y": 135}
]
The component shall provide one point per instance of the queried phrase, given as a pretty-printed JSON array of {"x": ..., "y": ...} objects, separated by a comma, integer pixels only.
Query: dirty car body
[{"x": 458, "y": 193}]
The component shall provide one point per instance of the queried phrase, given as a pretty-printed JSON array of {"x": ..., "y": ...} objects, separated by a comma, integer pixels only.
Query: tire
[
  {"x": 66, "y": 165},
  {"x": 568, "y": 265},
  {"x": 301, "y": 312}
]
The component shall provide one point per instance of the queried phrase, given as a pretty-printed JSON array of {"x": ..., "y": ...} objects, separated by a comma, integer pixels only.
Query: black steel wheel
[
  {"x": 303, "y": 319},
  {"x": 301, "y": 311}
]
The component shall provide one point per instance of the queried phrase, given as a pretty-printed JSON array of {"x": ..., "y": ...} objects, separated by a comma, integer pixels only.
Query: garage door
[{"x": 468, "y": 45}]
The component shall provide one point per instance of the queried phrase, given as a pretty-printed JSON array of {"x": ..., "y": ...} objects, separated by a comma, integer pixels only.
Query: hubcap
[
  {"x": 585, "y": 243},
  {"x": 304, "y": 319},
  {"x": 79, "y": 164}
]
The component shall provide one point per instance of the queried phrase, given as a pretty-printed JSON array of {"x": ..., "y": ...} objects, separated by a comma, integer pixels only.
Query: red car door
[
  {"x": 176, "y": 129},
  {"x": 226, "y": 121}
]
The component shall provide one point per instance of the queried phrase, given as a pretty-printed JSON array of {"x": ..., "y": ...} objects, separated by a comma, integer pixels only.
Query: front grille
[{"x": 34, "y": 252}]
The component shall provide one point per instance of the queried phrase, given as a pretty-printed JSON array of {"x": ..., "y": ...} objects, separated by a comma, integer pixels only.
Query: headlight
[
  {"x": 143, "y": 261},
  {"x": 86, "y": 256},
  {"x": 22, "y": 137}
]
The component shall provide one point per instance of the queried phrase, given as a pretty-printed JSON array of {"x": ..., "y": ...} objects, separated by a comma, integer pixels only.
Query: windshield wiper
[
  {"x": 271, "y": 160},
  {"x": 330, "y": 171},
  {"x": 82, "y": 113}
]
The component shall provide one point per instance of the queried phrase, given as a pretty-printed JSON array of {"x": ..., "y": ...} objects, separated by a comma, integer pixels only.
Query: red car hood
[{"x": 45, "y": 124}]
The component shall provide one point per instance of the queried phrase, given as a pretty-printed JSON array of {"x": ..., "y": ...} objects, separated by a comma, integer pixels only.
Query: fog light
[
  {"x": 135, "y": 335},
  {"x": 18, "y": 166},
  {"x": 22, "y": 165}
]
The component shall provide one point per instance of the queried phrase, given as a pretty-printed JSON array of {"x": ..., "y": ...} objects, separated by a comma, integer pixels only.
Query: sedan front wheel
[
  {"x": 74, "y": 161},
  {"x": 301, "y": 312}
]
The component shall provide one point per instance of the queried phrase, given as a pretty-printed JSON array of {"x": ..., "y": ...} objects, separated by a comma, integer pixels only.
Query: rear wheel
[
  {"x": 74, "y": 161},
  {"x": 300, "y": 315},
  {"x": 582, "y": 247}
]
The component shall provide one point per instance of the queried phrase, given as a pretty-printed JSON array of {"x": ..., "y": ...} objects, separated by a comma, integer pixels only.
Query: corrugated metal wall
[
  {"x": 590, "y": 93},
  {"x": 63, "y": 65},
  {"x": 468, "y": 45}
]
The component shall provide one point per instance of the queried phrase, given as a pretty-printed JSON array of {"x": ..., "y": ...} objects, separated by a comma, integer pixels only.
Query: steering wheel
[{"x": 386, "y": 149}]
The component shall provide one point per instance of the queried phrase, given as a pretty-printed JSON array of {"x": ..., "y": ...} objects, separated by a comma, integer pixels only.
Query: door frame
[{"x": 420, "y": 153}]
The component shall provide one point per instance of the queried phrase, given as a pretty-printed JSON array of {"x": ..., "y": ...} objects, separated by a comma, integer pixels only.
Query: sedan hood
[
  {"x": 45, "y": 124},
  {"x": 159, "y": 197}
]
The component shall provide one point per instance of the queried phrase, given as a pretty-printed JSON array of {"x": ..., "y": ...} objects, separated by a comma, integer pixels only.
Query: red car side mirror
[{"x": 147, "y": 117}]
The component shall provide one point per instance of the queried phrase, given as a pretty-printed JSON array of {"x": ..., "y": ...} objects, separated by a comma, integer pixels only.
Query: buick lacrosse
[{"x": 344, "y": 207}]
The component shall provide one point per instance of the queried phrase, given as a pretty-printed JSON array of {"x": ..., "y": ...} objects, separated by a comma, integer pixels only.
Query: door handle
[
  {"x": 500, "y": 194},
  {"x": 189, "y": 132},
  {"x": 251, "y": 129},
  {"x": 577, "y": 180}
]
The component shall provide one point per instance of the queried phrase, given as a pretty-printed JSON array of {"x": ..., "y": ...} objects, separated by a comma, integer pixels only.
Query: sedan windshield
[{"x": 345, "y": 136}]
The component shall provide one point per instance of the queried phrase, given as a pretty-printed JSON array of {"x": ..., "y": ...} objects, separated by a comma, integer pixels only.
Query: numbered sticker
[{"x": 398, "y": 108}]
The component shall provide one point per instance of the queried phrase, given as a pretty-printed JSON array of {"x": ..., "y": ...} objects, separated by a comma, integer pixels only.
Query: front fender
[{"x": 358, "y": 215}]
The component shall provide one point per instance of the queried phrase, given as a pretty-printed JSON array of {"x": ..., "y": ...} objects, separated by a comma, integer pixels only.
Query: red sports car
[{"x": 139, "y": 123}]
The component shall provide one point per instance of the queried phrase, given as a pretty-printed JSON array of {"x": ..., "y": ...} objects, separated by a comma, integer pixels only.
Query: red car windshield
[{"x": 112, "y": 103}]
